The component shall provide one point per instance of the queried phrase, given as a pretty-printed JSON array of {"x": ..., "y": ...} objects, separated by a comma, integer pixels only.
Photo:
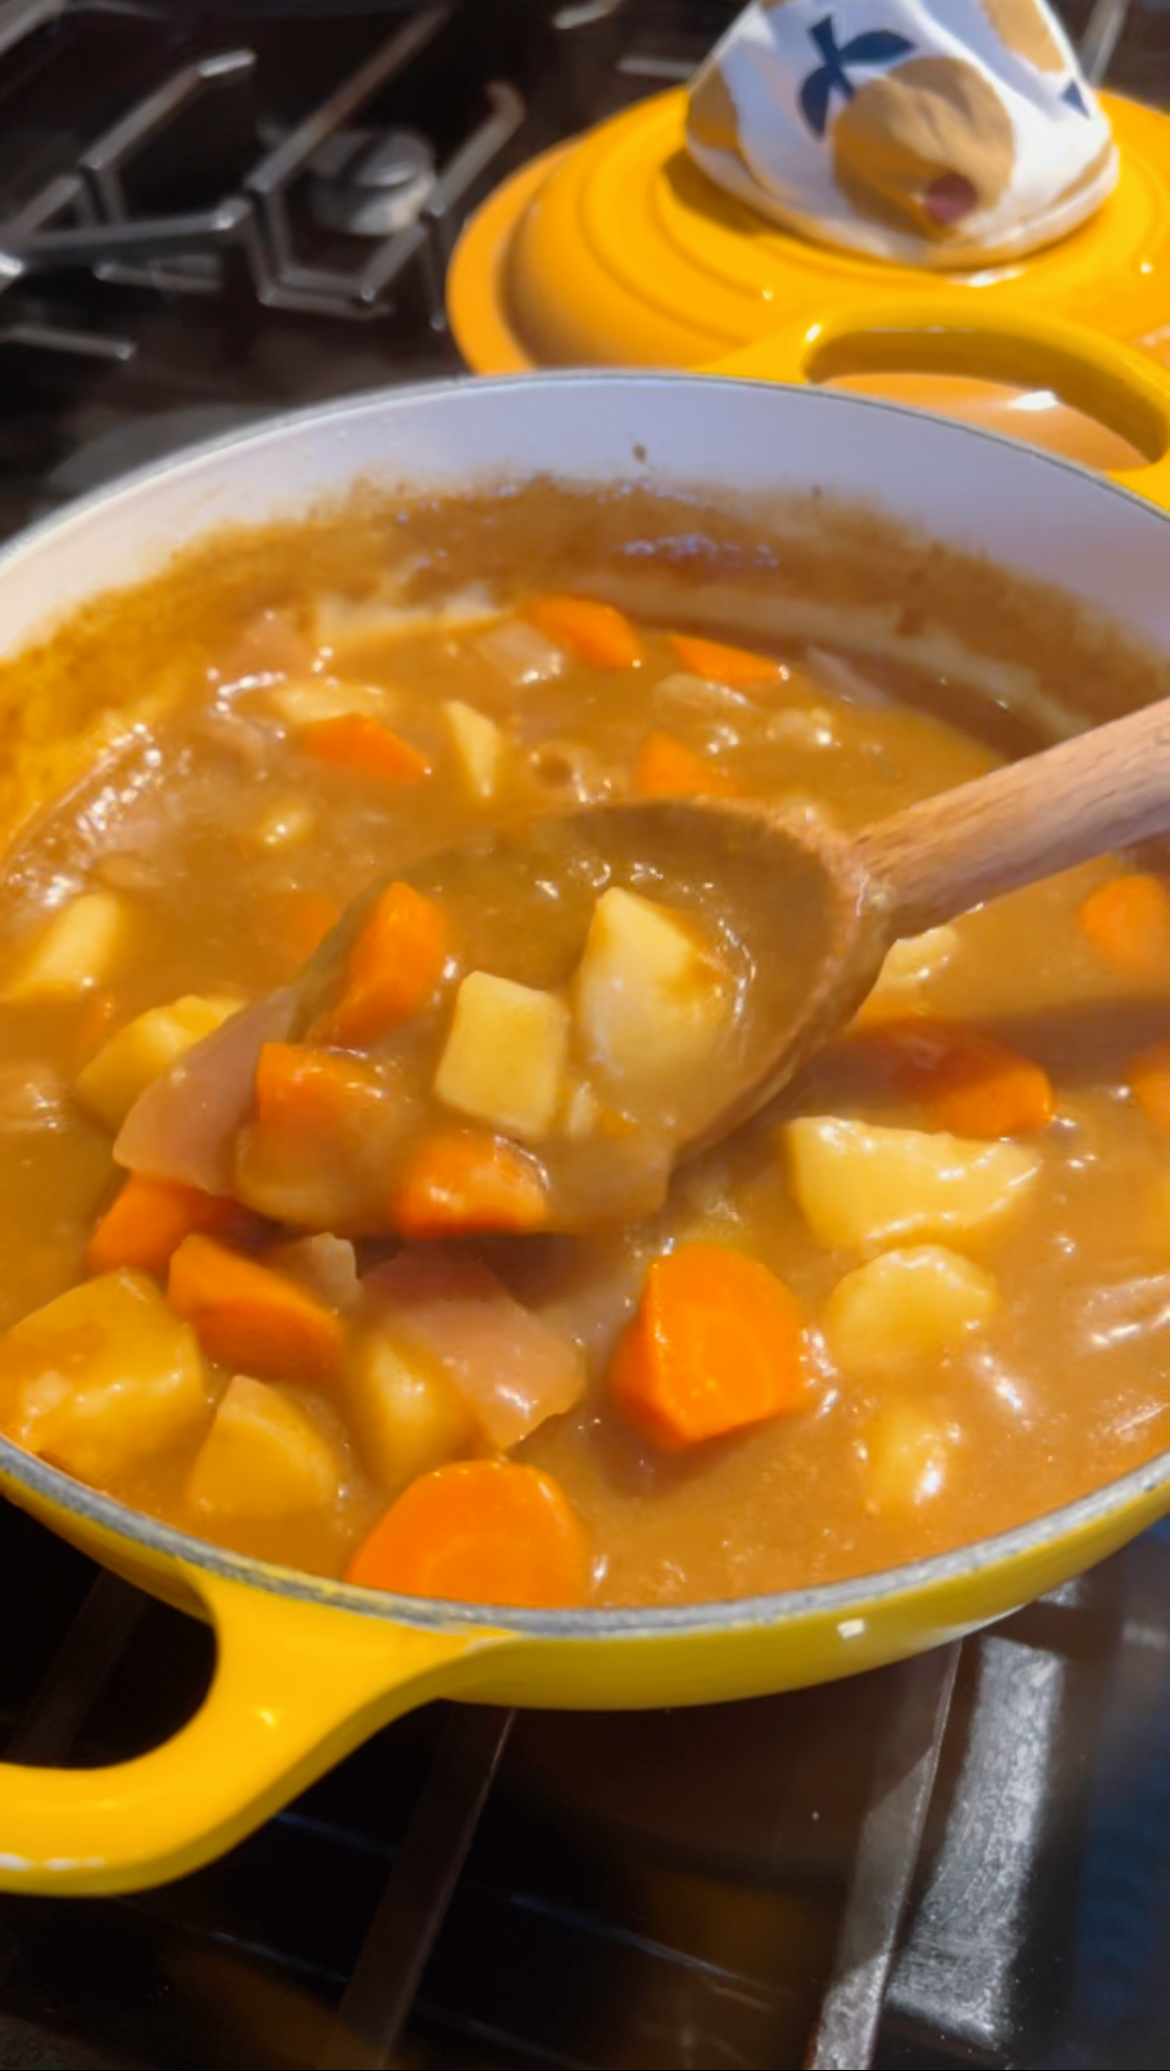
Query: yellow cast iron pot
[
  {"x": 306, "y": 1669},
  {"x": 614, "y": 250}
]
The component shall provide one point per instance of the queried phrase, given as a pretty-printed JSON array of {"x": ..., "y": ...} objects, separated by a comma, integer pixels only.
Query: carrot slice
[
  {"x": 250, "y": 1318},
  {"x": 299, "y": 1091},
  {"x": 393, "y": 970},
  {"x": 969, "y": 1084},
  {"x": 464, "y": 1181},
  {"x": 717, "y": 1343},
  {"x": 596, "y": 633},
  {"x": 355, "y": 741},
  {"x": 1149, "y": 1076},
  {"x": 734, "y": 666},
  {"x": 149, "y": 1219},
  {"x": 314, "y": 1151},
  {"x": 1128, "y": 922},
  {"x": 302, "y": 920},
  {"x": 479, "y": 1531},
  {"x": 666, "y": 768}
]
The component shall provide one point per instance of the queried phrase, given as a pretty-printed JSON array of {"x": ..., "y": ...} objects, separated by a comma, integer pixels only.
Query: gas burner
[{"x": 372, "y": 184}]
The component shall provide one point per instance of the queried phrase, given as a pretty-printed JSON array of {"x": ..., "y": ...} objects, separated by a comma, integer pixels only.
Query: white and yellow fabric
[{"x": 941, "y": 133}]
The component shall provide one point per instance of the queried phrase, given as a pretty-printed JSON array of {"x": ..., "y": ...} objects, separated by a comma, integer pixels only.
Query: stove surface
[{"x": 211, "y": 212}]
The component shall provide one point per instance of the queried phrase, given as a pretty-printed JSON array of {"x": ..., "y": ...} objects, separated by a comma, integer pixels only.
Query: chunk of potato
[
  {"x": 75, "y": 951},
  {"x": 904, "y": 1307},
  {"x": 908, "y": 968},
  {"x": 263, "y": 1457},
  {"x": 919, "y": 957},
  {"x": 857, "y": 1184},
  {"x": 305, "y": 700},
  {"x": 102, "y": 1378},
  {"x": 141, "y": 1051},
  {"x": 649, "y": 1002},
  {"x": 408, "y": 1416},
  {"x": 375, "y": 620},
  {"x": 910, "y": 1449},
  {"x": 520, "y": 653},
  {"x": 479, "y": 743},
  {"x": 504, "y": 1060}
]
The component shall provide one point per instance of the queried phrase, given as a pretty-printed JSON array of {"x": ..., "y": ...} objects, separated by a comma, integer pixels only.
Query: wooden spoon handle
[{"x": 1104, "y": 790}]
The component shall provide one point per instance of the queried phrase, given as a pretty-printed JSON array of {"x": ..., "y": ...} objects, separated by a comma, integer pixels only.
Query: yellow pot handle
[
  {"x": 1119, "y": 386},
  {"x": 295, "y": 1688}
]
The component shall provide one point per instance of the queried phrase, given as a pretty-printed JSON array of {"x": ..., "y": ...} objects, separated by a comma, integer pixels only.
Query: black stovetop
[{"x": 965, "y": 1860}]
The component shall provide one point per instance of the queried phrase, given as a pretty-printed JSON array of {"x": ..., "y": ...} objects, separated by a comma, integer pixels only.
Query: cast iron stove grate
[{"x": 892, "y": 1872}]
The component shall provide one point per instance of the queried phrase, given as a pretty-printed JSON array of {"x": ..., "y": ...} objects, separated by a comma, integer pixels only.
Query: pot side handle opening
[
  {"x": 946, "y": 333},
  {"x": 296, "y": 1687}
]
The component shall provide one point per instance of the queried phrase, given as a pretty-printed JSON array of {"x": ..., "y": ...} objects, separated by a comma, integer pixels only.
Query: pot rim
[
  {"x": 634, "y": 1622},
  {"x": 638, "y": 1622}
]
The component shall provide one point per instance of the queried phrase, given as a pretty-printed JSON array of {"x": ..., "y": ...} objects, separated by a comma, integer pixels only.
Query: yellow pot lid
[{"x": 616, "y": 251}]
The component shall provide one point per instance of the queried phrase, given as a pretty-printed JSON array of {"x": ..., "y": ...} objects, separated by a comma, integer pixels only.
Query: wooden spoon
[
  {"x": 815, "y": 915},
  {"x": 1107, "y": 789}
]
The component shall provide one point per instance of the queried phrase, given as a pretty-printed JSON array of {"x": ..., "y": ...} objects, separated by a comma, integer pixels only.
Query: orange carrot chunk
[
  {"x": 666, "y": 768},
  {"x": 312, "y": 1151},
  {"x": 149, "y": 1219},
  {"x": 465, "y": 1180},
  {"x": 301, "y": 922},
  {"x": 250, "y": 1318},
  {"x": 717, "y": 1343},
  {"x": 309, "y": 1093},
  {"x": 969, "y": 1084},
  {"x": 1128, "y": 922},
  {"x": 596, "y": 633},
  {"x": 1149, "y": 1076},
  {"x": 393, "y": 970},
  {"x": 734, "y": 666},
  {"x": 355, "y": 741},
  {"x": 479, "y": 1531}
]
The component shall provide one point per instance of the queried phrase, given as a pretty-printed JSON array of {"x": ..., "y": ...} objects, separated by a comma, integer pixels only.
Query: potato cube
[
  {"x": 649, "y": 1002},
  {"x": 904, "y": 1307},
  {"x": 910, "y": 1448},
  {"x": 304, "y": 700},
  {"x": 479, "y": 744},
  {"x": 856, "y": 1184},
  {"x": 102, "y": 1378},
  {"x": 909, "y": 967},
  {"x": 76, "y": 949},
  {"x": 504, "y": 1060},
  {"x": 408, "y": 1416},
  {"x": 263, "y": 1457},
  {"x": 144, "y": 1048},
  {"x": 919, "y": 957}
]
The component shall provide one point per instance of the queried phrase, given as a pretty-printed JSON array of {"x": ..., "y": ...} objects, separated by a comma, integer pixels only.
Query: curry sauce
[{"x": 326, "y": 1305}]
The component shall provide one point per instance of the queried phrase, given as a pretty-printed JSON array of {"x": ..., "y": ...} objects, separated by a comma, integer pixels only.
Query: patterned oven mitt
[{"x": 934, "y": 132}]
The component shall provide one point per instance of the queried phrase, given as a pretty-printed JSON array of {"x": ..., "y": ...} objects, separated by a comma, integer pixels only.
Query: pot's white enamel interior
[{"x": 1031, "y": 513}]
